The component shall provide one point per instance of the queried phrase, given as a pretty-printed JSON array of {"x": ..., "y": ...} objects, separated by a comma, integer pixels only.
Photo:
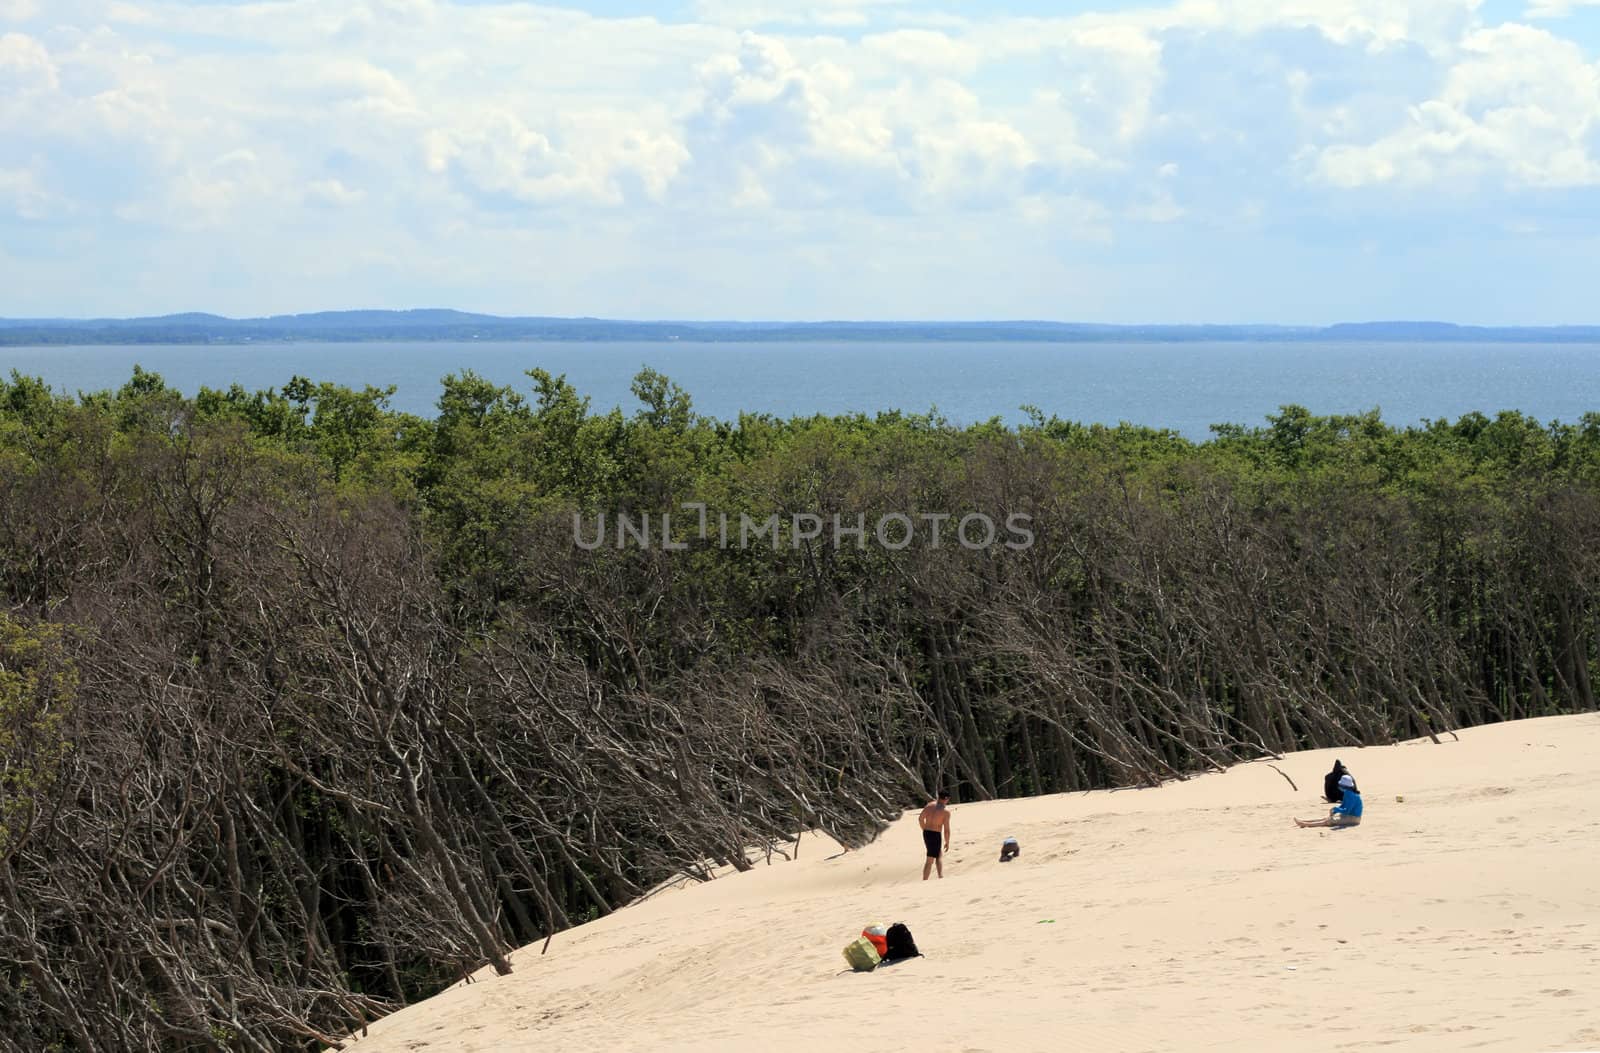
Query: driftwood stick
[{"x": 1280, "y": 771}]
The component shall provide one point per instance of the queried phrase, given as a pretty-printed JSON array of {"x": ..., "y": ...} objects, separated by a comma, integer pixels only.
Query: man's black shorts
[{"x": 931, "y": 839}]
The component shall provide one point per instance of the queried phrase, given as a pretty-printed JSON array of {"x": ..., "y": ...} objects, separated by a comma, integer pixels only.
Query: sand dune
[{"x": 1193, "y": 916}]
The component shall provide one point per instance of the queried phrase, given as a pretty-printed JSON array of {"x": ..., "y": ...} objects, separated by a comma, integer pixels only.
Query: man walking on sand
[{"x": 935, "y": 820}]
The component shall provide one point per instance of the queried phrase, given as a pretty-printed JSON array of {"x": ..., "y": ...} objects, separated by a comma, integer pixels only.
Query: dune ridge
[{"x": 1193, "y": 915}]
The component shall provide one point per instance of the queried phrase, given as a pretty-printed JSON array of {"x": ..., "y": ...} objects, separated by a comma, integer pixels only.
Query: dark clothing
[
  {"x": 931, "y": 839},
  {"x": 1330, "y": 783}
]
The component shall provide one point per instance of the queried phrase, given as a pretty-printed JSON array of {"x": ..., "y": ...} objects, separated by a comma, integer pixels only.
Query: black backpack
[{"x": 899, "y": 943}]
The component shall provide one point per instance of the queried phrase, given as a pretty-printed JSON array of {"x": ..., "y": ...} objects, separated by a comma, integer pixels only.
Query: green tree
[{"x": 37, "y": 685}]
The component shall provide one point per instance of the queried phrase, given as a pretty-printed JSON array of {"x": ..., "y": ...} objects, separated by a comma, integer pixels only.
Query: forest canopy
[{"x": 308, "y": 706}]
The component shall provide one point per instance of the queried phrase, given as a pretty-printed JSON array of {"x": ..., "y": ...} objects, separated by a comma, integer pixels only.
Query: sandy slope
[{"x": 1193, "y": 916}]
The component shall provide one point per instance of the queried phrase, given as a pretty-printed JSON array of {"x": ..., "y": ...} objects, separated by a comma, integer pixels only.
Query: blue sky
[{"x": 1198, "y": 161}]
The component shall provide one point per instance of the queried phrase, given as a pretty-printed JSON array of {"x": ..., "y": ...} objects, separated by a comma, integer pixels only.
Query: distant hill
[
  {"x": 447, "y": 325},
  {"x": 1445, "y": 331}
]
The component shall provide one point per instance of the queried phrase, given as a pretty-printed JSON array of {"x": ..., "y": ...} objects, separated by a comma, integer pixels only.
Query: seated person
[
  {"x": 1330, "y": 783},
  {"x": 1009, "y": 850},
  {"x": 1346, "y": 813}
]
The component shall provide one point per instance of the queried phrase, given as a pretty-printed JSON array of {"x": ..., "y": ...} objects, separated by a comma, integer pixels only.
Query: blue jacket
[{"x": 1351, "y": 805}]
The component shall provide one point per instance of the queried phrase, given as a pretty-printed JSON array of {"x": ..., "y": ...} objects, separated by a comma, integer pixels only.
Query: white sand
[{"x": 1194, "y": 917}]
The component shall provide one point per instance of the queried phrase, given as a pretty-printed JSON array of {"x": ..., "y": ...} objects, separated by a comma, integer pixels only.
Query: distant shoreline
[
  {"x": 409, "y": 338},
  {"x": 441, "y": 326}
]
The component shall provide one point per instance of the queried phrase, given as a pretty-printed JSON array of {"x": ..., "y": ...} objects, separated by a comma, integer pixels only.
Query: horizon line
[{"x": 200, "y": 317}]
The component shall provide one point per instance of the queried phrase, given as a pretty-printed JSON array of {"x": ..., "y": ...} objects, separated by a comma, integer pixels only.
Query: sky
[{"x": 1281, "y": 161}]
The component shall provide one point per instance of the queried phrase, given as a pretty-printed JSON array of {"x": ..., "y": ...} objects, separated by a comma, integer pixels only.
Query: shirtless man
[{"x": 934, "y": 820}]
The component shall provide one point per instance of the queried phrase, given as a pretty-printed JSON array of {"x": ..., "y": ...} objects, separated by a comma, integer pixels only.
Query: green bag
[{"x": 862, "y": 955}]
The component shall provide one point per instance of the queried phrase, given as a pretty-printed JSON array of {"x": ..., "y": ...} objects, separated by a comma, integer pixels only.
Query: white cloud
[
  {"x": 821, "y": 13},
  {"x": 361, "y": 86},
  {"x": 25, "y": 67},
  {"x": 496, "y": 153},
  {"x": 333, "y": 193},
  {"x": 778, "y": 129},
  {"x": 453, "y": 137},
  {"x": 1540, "y": 9},
  {"x": 924, "y": 49},
  {"x": 1160, "y": 208},
  {"x": 23, "y": 194},
  {"x": 498, "y": 103},
  {"x": 1519, "y": 105}
]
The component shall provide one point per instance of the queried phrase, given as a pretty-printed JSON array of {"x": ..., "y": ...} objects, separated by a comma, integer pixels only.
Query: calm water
[{"x": 1181, "y": 386}]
